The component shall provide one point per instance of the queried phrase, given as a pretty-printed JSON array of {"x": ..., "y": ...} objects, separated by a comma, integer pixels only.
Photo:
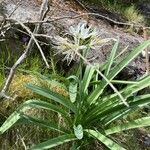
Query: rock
[
  {"x": 28, "y": 10},
  {"x": 25, "y": 11},
  {"x": 145, "y": 9},
  {"x": 147, "y": 140},
  {"x": 1, "y": 18}
]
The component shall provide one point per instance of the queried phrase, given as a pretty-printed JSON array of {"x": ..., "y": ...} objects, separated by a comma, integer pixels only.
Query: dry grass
[
  {"x": 22, "y": 136},
  {"x": 133, "y": 16}
]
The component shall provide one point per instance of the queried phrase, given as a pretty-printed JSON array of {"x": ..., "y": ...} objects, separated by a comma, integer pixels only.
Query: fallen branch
[
  {"x": 35, "y": 40},
  {"x": 74, "y": 17},
  {"x": 36, "y": 35}
]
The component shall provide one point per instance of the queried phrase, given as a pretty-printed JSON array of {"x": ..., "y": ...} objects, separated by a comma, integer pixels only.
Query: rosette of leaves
[{"x": 88, "y": 112}]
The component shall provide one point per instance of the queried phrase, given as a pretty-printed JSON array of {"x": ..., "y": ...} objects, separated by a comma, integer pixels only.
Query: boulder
[{"x": 28, "y": 10}]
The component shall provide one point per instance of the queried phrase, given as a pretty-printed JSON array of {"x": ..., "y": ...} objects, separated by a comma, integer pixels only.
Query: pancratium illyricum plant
[
  {"x": 83, "y": 39},
  {"x": 89, "y": 111}
]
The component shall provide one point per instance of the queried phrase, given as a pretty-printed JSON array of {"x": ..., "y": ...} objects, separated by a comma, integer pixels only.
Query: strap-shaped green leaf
[
  {"x": 89, "y": 71},
  {"x": 131, "y": 89},
  {"x": 111, "y": 58},
  {"x": 105, "y": 140},
  {"x": 128, "y": 91},
  {"x": 78, "y": 131},
  {"x": 112, "y": 112},
  {"x": 134, "y": 53},
  {"x": 42, "y": 123},
  {"x": 53, "y": 96},
  {"x": 73, "y": 91},
  {"x": 48, "y": 106},
  {"x": 120, "y": 111},
  {"x": 12, "y": 119},
  {"x": 142, "y": 122},
  {"x": 54, "y": 142},
  {"x": 16, "y": 116}
]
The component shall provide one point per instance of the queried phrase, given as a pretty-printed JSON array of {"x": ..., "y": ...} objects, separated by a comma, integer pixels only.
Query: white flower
[
  {"x": 81, "y": 31},
  {"x": 84, "y": 38},
  {"x": 98, "y": 42},
  {"x": 68, "y": 48}
]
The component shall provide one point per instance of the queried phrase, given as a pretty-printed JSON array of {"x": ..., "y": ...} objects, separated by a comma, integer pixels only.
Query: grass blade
[
  {"x": 89, "y": 71},
  {"x": 111, "y": 58}
]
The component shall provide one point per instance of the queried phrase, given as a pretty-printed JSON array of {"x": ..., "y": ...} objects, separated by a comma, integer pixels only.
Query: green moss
[
  {"x": 133, "y": 15},
  {"x": 2, "y": 78},
  {"x": 125, "y": 8}
]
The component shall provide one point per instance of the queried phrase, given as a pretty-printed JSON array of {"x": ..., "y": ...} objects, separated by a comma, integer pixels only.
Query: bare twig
[
  {"x": 43, "y": 13},
  {"x": 35, "y": 40},
  {"x": 22, "y": 139},
  {"x": 146, "y": 52},
  {"x": 36, "y": 35},
  {"x": 30, "y": 45},
  {"x": 80, "y": 4},
  {"x": 74, "y": 17},
  {"x": 98, "y": 15},
  {"x": 43, "y": 35}
]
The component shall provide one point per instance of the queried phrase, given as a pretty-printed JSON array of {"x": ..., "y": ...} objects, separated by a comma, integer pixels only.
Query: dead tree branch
[
  {"x": 43, "y": 12},
  {"x": 146, "y": 52},
  {"x": 13, "y": 22},
  {"x": 35, "y": 40}
]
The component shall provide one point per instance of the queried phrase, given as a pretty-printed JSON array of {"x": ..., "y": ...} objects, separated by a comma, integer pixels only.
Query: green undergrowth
[
  {"x": 25, "y": 136},
  {"x": 125, "y": 9},
  {"x": 33, "y": 63},
  {"x": 22, "y": 135}
]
